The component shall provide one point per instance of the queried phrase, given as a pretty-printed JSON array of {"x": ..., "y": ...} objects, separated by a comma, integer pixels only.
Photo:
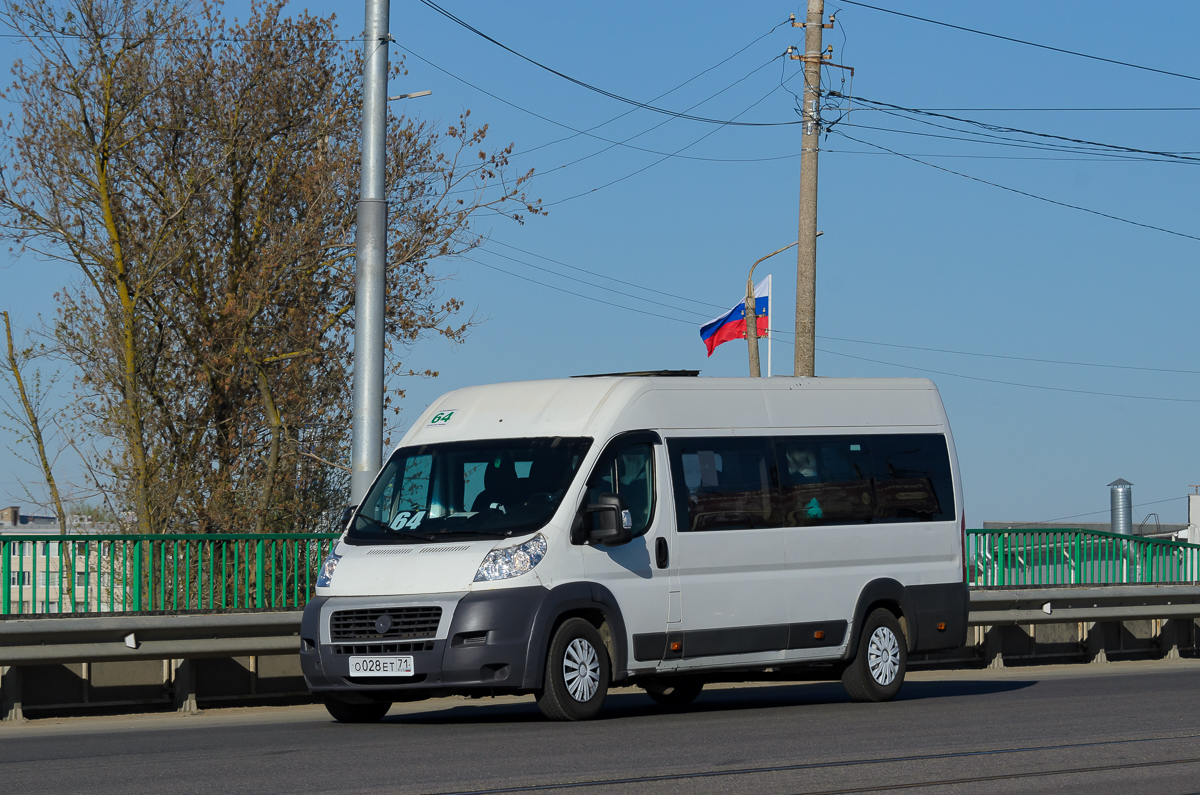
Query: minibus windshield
[{"x": 490, "y": 488}]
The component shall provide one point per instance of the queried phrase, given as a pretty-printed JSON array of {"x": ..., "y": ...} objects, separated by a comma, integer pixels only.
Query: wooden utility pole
[{"x": 806, "y": 250}]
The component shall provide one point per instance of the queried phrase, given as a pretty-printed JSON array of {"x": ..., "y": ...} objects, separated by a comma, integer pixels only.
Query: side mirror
[
  {"x": 347, "y": 515},
  {"x": 608, "y": 521}
]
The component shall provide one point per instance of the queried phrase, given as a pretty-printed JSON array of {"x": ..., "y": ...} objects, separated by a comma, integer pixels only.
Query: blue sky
[{"x": 910, "y": 256}]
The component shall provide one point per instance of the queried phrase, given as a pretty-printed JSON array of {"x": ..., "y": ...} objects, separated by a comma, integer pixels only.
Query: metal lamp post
[{"x": 370, "y": 255}]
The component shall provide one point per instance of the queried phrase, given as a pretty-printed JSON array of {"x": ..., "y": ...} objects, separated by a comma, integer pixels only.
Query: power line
[
  {"x": 1082, "y": 148},
  {"x": 576, "y": 130},
  {"x": 1014, "y": 143},
  {"x": 601, "y": 91},
  {"x": 1024, "y": 42},
  {"x": 723, "y": 307},
  {"x": 1054, "y": 110},
  {"x": 582, "y": 281},
  {"x": 1019, "y": 525},
  {"x": 1015, "y": 383},
  {"x": 188, "y": 39},
  {"x": 1001, "y": 128},
  {"x": 667, "y": 120},
  {"x": 665, "y": 93},
  {"x": 1016, "y": 358},
  {"x": 1022, "y": 192},
  {"x": 1079, "y": 159},
  {"x": 610, "y": 278},
  {"x": 694, "y": 324},
  {"x": 577, "y": 295},
  {"x": 665, "y": 157}
]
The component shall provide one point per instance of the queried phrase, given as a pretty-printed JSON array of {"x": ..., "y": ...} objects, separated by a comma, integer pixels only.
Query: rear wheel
[
  {"x": 577, "y": 673},
  {"x": 877, "y": 671},
  {"x": 343, "y": 712},
  {"x": 674, "y": 693}
]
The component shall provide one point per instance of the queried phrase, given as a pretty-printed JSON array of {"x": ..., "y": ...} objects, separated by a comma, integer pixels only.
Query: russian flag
[{"x": 732, "y": 324}]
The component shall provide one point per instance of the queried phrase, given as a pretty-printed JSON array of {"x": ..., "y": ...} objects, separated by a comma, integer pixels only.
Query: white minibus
[{"x": 561, "y": 537}]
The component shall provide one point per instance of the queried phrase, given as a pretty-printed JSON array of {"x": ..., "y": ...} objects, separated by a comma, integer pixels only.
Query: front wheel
[
  {"x": 577, "y": 673},
  {"x": 343, "y": 712},
  {"x": 877, "y": 671}
]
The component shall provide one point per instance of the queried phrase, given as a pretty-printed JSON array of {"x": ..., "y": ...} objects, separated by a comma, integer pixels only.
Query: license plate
[{"x": 381, "y": 666}]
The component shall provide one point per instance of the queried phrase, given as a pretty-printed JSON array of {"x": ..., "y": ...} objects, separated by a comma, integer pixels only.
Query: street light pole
[
  {"x": 751, "y": 314},
  {"x": 370, "y": 258}
]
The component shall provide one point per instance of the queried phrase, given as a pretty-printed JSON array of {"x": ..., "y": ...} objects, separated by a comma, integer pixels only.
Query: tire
[
  {"x": 343, "y": 712},
  {"x": 673, "y": 693},
  {"x": 877, "y": 670},
  {"x": 577, "y": 673}
]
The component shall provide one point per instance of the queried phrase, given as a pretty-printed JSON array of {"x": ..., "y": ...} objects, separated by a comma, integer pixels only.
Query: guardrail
[
  {"x": 1105, "y": 603},
  {"x": 1036, "y": 557},
  {"x": 45, "y": 640},
  {"x": 175, "y": 573}
]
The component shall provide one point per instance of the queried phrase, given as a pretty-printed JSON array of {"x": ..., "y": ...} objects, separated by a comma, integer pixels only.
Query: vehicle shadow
[{"x": 632, "y": 702}]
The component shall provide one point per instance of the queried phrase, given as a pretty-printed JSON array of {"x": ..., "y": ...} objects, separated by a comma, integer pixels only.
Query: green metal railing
[
  {"x": 173, "y": 573},
  {"x": 182, "y": 573},
  {"x": 1032, "y": 557}
]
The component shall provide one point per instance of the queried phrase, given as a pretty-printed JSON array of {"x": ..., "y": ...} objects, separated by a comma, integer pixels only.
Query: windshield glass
[{"x": 483, "y": 489}]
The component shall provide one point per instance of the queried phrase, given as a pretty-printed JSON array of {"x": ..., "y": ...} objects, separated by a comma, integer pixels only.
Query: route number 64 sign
[{"x": 441, "y": 418}]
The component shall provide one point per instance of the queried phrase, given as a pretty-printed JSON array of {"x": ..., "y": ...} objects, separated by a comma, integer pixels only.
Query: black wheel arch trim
[
  {"x": 919, "y": 604},
  {"x": 884, "y": 589},
  {"x": 559, "y": 601}
]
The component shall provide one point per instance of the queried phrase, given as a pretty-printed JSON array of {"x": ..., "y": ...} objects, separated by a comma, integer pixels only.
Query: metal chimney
[{"x": 1120, "y": 500}]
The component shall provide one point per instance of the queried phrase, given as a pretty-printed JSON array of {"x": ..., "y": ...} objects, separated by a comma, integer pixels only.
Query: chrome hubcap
[
  {"x": 581, "y": 670},
  {"x": 883, "y": 656}
]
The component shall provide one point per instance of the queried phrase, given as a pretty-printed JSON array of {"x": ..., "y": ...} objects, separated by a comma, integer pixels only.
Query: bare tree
[
  {"x": 212, "y": 220},
  {"x": 28, "y": 421}
]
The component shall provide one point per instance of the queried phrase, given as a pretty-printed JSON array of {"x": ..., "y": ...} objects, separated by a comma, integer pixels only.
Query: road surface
[{"x": 1121, "y": 727}]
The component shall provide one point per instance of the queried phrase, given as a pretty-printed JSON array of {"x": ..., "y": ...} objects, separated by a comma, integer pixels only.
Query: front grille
[
  {"x": 384, "y": 648},
  {"x": 407, "y": 623}
]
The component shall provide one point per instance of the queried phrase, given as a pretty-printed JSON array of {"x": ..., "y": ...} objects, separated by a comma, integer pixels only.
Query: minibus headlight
[
  {"x": 325, "y": 575},
  {"x": 501, "y": 564}
]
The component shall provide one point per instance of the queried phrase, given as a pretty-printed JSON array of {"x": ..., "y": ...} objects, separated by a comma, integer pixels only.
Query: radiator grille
[
  {"x": 384, "y": 648},
  {"x": 407, "y": 623}
]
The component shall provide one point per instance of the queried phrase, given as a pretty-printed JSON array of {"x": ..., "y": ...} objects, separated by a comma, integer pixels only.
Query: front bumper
[{"x": 482, "y": 642}]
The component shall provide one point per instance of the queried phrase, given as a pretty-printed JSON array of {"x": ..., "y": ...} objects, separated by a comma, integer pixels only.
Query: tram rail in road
[{"x": 1127, "y": 727}]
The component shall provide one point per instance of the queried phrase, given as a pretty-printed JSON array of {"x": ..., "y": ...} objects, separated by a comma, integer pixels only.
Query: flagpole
[
  {"x": 751, "y": 333},
  {"x": 770, "y": 312}
]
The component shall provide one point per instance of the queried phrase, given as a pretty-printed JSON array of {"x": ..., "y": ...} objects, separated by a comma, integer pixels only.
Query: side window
[
  {"x": 825, "y": 480},
  {"x": 627, "y": 470},
  {"x": 723, "y": 483},
  {"x": 912, "y": 478}
]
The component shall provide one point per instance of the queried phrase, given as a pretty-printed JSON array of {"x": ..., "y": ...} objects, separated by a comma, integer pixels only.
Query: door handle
[{"x": 662, "y": 555}]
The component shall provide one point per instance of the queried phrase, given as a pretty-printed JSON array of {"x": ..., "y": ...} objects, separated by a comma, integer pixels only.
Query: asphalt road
[{"x": 1122, "y": 727}]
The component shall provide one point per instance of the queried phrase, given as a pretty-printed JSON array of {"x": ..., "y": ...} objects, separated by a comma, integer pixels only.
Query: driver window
[{"x": 629, "y": 472}]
